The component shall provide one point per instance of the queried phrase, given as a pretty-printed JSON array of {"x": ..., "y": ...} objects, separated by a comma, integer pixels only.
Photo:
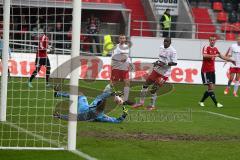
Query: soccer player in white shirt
[
  {"x": 120, "y": 67},
  {"x": 161, "y": 72},
  {"x": 234, "y": 53}
]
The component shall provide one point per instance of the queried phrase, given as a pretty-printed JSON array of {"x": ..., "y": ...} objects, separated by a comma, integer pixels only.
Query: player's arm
[
  {"x": 172, "y": 64},
  {"x": 43, "y": 43},
  {"x": 226, "y": 58},
  {"x": 208, "y": 56},
  {"x": 106, "y": 118},
  {"x": 49, "y": 49},
  {"x": 173, "y": 59},
  {"x": 229, "y": 52}
]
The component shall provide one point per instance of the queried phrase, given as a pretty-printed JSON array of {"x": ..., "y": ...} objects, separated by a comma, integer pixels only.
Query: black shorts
[
  {"x": 208, "y": 77},
  {"x": 42, "y": 62}
]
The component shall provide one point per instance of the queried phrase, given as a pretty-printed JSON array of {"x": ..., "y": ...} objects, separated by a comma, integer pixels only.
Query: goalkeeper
[{"x": 95, "y": 110}]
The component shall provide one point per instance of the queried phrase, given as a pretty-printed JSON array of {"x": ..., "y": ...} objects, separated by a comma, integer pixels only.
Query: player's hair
[
  {"x": 168, "y": 39},
  {"x": 212, "y": 36},
  {"x": 122, "y": 35}
]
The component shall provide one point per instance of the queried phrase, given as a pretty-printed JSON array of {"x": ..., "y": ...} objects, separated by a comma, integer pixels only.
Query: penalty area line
[
  {"x": 77, "y": 152},
  {"x": 222, "y": 115}
]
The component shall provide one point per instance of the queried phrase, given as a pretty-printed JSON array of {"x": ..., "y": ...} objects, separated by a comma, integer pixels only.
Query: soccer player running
[
  {"x": 41, "y": 59},
  {"x": 161, "y": 72},
  {"x": 210, "y": 53},
  {"x": 234, "y": 53},
  {"x": 95, "y": 110},
  {"x": 120, "y": 67}
]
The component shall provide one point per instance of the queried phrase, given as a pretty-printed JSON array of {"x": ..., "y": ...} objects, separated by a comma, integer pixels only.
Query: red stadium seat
[
  {"x": 94, "y": 1},
  {"x": 230, "y": 36},
  {"x": 217, "y": 6},
  {"x": 117, "y": 1},
  {"x": 222, "y": 16},
  {"x": 236, "y": 27},
  {"x": 226, "y": 27},
  {"x": 106, "y": 1}
]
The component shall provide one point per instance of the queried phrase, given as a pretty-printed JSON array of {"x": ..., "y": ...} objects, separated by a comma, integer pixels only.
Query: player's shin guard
[
  {"x": 126, "y": 93},
  {"x": 236, "y": 87},
  {"x": 213, "y": 97},
  {"x": 205, "y": 96},
  {"x": 153, "y": 99}
]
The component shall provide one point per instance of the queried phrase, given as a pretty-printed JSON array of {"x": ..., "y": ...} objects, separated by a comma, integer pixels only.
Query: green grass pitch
[{"x": 179, "y": 129}]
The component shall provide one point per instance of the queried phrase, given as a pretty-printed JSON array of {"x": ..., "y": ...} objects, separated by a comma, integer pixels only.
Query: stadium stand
[
  {"x": 204, "y": 23},
  {"x": 114, "y": 24},
  {"x": 228, "y": 14},
  {"x": 137, "y": 14},
  {"x": 225, "y": 13}
]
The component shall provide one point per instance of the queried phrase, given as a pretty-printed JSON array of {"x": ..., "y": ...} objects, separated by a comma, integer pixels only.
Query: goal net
[{"x": 30, "y": 107}]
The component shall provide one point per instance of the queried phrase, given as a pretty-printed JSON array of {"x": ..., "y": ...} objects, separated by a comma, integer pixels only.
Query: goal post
[
  {"x": 27, "y": 118},
  {"x": 75, "y": 60},
  {"x": 4, "y": 80}
]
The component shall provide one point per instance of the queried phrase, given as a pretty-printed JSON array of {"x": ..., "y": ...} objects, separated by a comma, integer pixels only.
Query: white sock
[
  {"x": 126, "y": 93},
  {"x": 236, "y": 86},
  {"x": 153, "y": 99},
  {"x": 143, "y": 94}
]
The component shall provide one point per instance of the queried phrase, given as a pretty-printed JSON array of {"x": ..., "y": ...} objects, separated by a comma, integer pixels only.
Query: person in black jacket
[{"x": 93, "y": 27}]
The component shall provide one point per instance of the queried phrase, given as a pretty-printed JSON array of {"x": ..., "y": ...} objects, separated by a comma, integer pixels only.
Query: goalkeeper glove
[
  {"x": 125, "y": 111},
  {"x": 118, "y": 93}
]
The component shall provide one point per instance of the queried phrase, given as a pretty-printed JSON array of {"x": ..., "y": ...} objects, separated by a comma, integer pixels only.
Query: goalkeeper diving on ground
[{"x": 95, "y": 110}]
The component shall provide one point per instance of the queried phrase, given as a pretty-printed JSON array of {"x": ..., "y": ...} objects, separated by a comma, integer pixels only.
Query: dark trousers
[
  {"x": 166, "y": 33},
  {"x": 39, "y": 62},
  {"x": 96, "y": 40}
]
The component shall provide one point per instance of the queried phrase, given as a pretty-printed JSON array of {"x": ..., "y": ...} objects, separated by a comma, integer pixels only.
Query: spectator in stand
[
  {"x": 93, "y": 27},
  {"x": 59, "y": 37},
  {"x": 24, "y": 27},
  {"x": 16, "y": 28},
  {"x": 165, "y": 22}
]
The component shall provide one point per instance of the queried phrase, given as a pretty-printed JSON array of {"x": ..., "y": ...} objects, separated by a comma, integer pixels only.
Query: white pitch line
[
  {"x": 77, "y": 152},
  {"x": 222, "y": 115},
  {"x": 84, "y": 155}
]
